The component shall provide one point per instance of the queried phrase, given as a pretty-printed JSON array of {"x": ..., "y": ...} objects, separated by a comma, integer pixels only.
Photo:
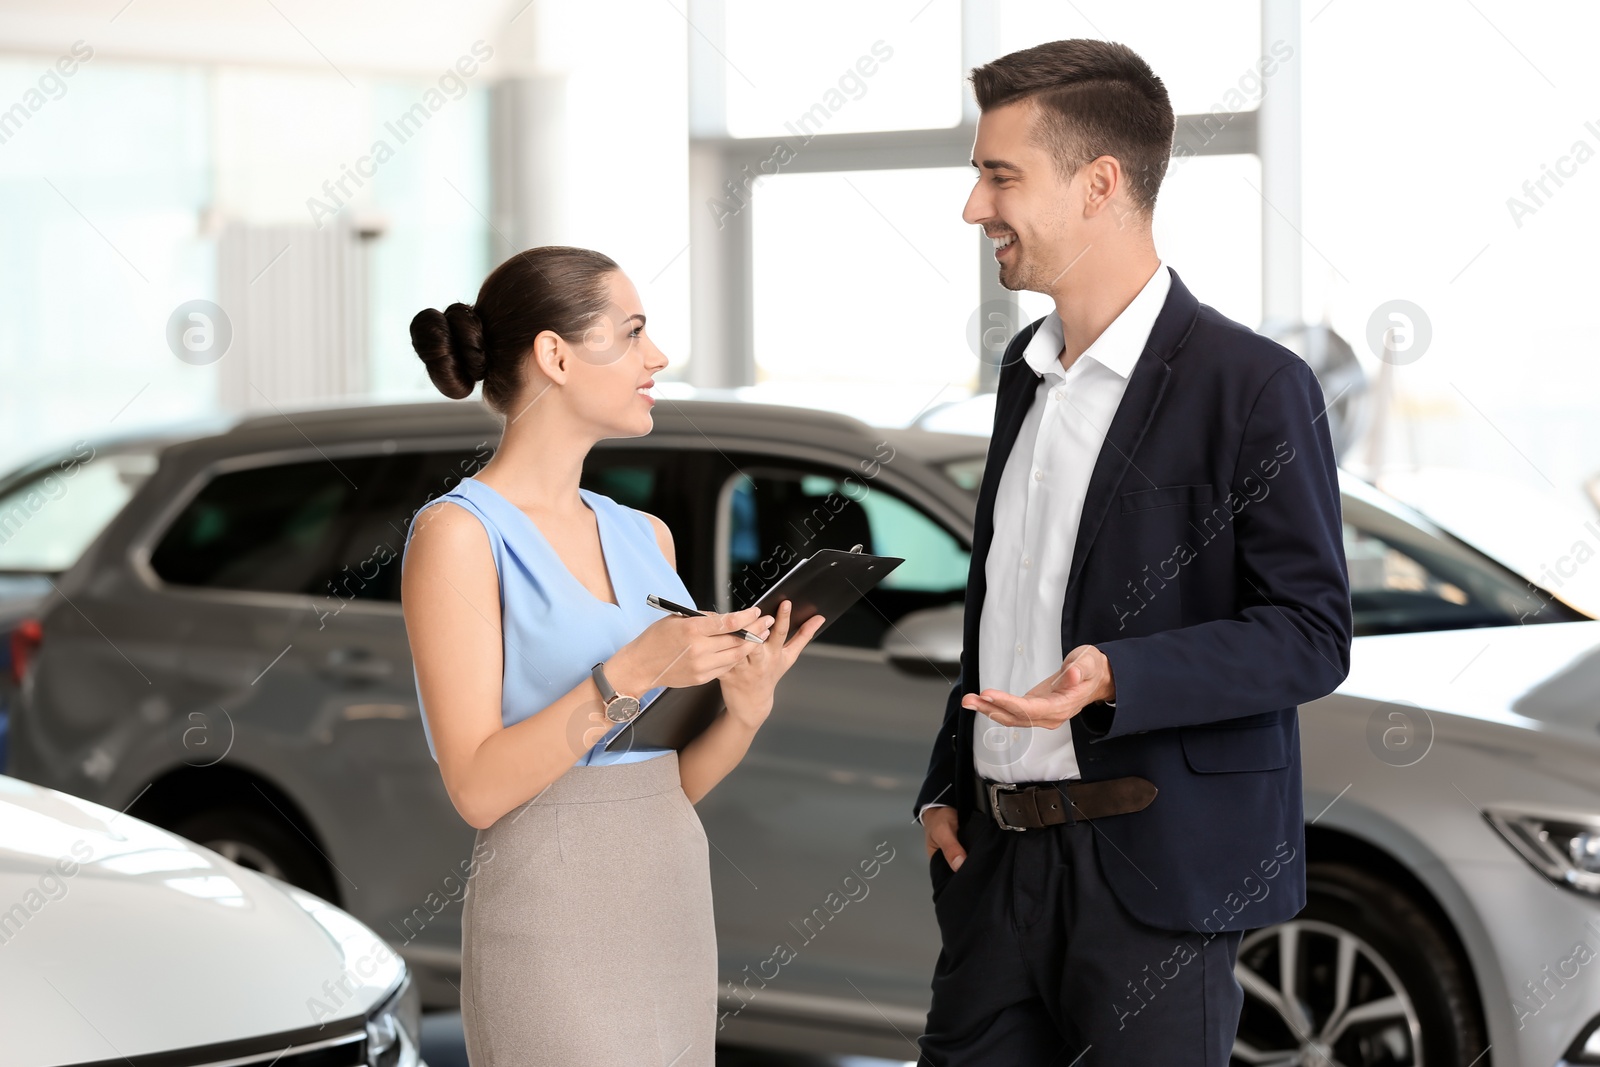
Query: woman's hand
[
  {"x": 678, "y": 652},
  {"x": 748, "y": 685}
]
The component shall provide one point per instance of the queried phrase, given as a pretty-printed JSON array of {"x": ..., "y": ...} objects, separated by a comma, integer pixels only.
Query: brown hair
[
  {"x": 1095, "y": 98},
  {"x": 554, "y": 287}
]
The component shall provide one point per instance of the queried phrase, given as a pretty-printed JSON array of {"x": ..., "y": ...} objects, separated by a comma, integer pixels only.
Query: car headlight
[
  {"x": 1565, "y": 849},
  {"x": 394, "y": 1028}
]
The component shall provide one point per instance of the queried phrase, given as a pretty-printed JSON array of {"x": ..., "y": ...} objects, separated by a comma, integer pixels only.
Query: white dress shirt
[{"x": 1036, "y": 510}]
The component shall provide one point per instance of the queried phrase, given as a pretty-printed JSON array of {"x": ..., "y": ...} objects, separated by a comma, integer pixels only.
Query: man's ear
[{"x": 1104, "y": 177}]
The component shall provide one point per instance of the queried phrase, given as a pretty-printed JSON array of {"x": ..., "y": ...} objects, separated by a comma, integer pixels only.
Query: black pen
[{"x": 690, "y": 613}]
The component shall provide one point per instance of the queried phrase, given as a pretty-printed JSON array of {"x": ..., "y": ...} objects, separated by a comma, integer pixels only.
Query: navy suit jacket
[{"x": 1209, "y": 569}]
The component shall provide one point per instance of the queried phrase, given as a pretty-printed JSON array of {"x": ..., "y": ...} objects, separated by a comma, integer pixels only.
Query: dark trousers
[{"x": 1042, "y": 967}]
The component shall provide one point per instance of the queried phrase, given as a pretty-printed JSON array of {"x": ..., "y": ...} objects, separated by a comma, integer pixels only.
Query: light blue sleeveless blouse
[{"x": 555, "y": 630}]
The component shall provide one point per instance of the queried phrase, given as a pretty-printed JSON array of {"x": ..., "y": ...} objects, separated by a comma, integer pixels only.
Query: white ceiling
[{"x": 350, "y": 37}]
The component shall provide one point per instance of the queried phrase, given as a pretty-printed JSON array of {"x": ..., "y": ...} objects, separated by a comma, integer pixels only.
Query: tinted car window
[
  {"x": 366, "y": 562},
  {"x": 628, "y": 480},
  {"x": 268, "y": 529},
  {"x": 660, "y": 481},
  {"x": 778, "y": 516}
]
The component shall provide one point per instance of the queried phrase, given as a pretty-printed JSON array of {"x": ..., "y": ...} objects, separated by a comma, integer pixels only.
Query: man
[{"x": 1157, "y": 581}]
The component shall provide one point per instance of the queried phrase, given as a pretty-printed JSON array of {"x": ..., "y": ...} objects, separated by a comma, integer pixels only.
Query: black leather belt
[{"x": 1033, "y": 805}]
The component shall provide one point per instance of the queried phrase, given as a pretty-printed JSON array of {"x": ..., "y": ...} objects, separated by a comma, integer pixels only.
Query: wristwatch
[{"x": 619, "y": 707}]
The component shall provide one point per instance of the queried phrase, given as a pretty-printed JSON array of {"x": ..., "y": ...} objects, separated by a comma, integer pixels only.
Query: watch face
[{"x": 622, "y": 709}]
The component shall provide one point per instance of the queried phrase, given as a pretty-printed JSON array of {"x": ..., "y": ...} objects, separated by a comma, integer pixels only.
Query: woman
[{"x": 587, "y": 936}]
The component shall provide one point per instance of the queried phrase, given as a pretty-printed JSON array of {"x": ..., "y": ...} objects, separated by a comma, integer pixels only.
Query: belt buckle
[{"x": 995, "y": 789}]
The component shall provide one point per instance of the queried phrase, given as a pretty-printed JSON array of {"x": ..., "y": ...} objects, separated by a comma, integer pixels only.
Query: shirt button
[
  {"x": 1026, "y": 562},
  {"x": 1019, "y": 650},
  {"x": 1038, "y": 476}
]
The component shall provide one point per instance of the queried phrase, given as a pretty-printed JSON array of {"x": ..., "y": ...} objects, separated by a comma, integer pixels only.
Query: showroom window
[{"x": 831, "y": 264}]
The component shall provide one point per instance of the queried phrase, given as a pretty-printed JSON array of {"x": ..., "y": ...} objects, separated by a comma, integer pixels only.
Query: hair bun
[
  {"x": 466, "y": 340},
  {"x": 553, "y": 288},
  {"x": 450, "y": 345}
]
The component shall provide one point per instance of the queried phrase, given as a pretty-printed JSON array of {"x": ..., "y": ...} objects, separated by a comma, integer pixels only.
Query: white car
[{"x": 122, "y": 943}]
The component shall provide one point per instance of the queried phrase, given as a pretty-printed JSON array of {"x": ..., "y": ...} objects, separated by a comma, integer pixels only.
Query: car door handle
[{"x": 356, "y": 665}]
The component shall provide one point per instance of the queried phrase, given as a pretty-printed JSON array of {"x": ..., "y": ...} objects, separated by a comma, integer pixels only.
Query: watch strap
[{"x": 608, "y": 692}]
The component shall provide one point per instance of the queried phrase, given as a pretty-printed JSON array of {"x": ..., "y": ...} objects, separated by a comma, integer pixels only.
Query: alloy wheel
[{"x": 1316, "y": 995}]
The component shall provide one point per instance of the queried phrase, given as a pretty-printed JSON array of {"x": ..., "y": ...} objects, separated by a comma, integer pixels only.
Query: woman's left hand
[{"x": 747, "y": 686}]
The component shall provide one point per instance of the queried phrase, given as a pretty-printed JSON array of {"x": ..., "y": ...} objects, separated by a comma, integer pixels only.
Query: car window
[
  {"x": 51, "y": 516},
  {"x": 775, "y": 516},
  {"x": 631, "y": 483},
  {"x": 272, "y": 528},
  {"x": 967, "y": 472},
  {"x": 1404, "y": 580},
  {"x": 366, "y": 561},
  {"x": 661, "y": 481}
]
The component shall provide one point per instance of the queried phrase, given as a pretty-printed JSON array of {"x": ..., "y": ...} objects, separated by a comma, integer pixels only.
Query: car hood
[
  {"x": 1545, "y": 672},
  {"x": 119, "y": 939}
]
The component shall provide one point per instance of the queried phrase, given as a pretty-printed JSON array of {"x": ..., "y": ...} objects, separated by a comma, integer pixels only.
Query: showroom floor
[{"x": 442, "y": 1047}]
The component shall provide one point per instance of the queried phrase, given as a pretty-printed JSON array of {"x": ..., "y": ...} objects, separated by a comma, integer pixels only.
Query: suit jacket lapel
[
  {"x": 1013, "y": 393},
  {"x": 1129, "y": 424},
  {"x": 1011, "y": 406}
]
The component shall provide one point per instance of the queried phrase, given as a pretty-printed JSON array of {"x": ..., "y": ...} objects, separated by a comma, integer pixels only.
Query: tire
[
  {"x": 260, "y": 842},
  {"x": 1409, "y": 998}
]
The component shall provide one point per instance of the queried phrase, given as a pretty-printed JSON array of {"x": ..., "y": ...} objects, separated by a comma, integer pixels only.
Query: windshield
[
  {"x": 52, "y": 514},
  {"x": 1406, "y": 576}
]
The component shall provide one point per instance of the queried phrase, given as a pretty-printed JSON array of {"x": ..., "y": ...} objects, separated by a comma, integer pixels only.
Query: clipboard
[{"x": 827, "y": 582}]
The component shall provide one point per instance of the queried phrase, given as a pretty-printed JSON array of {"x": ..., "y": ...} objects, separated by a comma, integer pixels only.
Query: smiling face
[
  {"x": 1041, "y": 224},
  {"x": 607, "y": 374}
]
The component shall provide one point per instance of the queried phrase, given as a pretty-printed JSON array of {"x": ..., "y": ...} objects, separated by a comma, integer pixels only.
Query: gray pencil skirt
[{"x": 587, "y": 937}]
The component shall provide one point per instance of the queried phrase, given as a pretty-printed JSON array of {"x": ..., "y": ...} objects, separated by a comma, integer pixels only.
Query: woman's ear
[{"x": 551, "y": 356}]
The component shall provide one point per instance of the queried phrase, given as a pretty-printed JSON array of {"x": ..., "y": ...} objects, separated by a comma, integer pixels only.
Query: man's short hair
[{"x": 1095, "y": 98}]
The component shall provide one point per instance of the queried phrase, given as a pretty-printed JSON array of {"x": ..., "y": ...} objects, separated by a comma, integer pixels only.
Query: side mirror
[{"x": 927, "y": 643}]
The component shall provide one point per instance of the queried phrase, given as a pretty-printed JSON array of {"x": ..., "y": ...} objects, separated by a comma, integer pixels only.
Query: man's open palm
[{"x": 1084, "y": 677}]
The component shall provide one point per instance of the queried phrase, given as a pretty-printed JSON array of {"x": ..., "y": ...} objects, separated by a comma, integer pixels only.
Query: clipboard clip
[{"x": 856, "y": 549}]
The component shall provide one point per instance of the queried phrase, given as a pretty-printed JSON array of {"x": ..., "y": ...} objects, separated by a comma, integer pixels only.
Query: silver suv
[{"x": 228, "y": 660}]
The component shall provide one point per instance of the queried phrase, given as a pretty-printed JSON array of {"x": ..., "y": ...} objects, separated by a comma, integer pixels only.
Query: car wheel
[
  {"x": 1362, "y": 977},
  {"x": 259, "y": 842}
]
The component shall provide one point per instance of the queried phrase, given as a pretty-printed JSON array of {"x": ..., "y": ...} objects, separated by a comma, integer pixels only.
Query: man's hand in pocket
[{"x": 939, "y": 834}]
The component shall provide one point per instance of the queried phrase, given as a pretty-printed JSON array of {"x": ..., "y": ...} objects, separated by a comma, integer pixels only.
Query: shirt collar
[{"x": 1118, "y": 347}]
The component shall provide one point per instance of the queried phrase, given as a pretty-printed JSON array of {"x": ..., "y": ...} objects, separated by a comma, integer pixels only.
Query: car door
[
  {"x": 393, "y": 819},
  {"x": 245, "y": 571},
  {"x": 819, "y": 874}
]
